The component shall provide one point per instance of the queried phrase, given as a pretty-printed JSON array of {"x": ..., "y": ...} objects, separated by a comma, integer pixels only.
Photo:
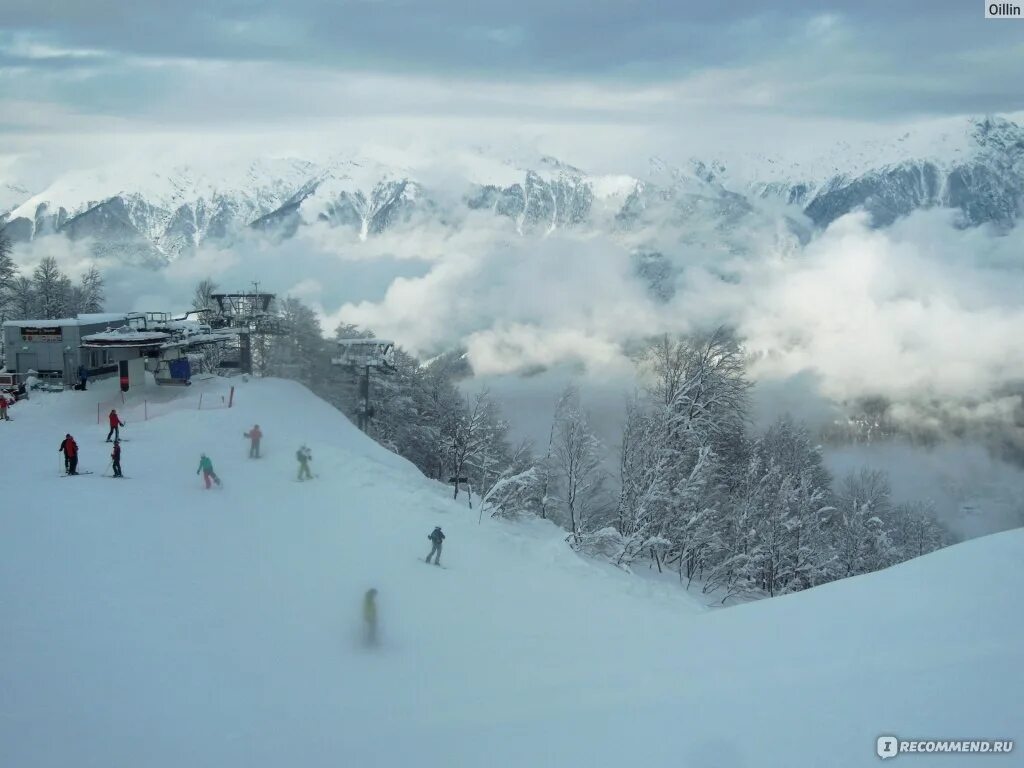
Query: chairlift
[{"x": 366, "y": 353}]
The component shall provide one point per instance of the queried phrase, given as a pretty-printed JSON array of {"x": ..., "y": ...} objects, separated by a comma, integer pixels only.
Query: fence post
[
  {"x": 200, "y": 402},
  {"x": 231, "y": 397},
  {"x": 145, "y": 410},
  {"x": 98, "y": 419}
]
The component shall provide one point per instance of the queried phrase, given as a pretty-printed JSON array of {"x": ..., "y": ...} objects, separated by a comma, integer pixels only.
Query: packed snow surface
[{"x": 148, "y": 622}]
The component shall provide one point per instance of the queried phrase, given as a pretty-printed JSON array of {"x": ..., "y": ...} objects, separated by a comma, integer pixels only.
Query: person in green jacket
[
  {"x": 370, "y": 616},
  {"x": 206, "y": 467}
]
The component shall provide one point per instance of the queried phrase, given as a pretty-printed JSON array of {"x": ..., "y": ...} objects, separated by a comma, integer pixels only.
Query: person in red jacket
[
  {"x": 70, "y": 449},
  {"x": 254, "y": 436},
  {"x": 3, "y": 407},
  {"x": 115, "y": 425}
]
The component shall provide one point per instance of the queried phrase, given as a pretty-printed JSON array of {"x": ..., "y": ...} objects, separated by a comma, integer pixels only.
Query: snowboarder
[
  {"x": 370, "y": 616},
  {"x": 304, "y": 455},
  {"x": 115, "y": 457},
  {"x": 3, "y": 408},
  {"x": 206, "y": 467},
  {"x": 436, "y": 537},
  {"x": 69, "y": 448},
  {"x": 254, "y": 436},
  {"x": 115, "y": 425}
]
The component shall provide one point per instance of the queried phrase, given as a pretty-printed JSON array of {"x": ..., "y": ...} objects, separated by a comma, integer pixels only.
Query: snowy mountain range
[
  {"x": 980, "y": 173},
  {"x": 148, "y": 217}
]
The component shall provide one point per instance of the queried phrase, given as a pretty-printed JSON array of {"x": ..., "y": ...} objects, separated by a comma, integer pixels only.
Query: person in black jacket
[
  {"x": 116, "y": 458},
  {"x": 436, "y": 537}
]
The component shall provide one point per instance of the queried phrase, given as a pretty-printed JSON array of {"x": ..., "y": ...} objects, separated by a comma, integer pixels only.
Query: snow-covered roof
[
  {"x": 103, "y": 317},
  {"x": 127, "y": 335},
  {"x": 69, "y": 322}
]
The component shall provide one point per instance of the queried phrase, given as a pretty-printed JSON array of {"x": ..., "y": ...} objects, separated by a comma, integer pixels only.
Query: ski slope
[{"x": 149, "y": 623}]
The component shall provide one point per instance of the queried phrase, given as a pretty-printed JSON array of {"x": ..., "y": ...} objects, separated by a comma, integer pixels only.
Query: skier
[
  {"x": 370, "y": 616},
  {"x": 254, "y": 436},
  {"x": 115, "y": 425},
  {"x": 3, "y": 408},
  {"x": 304, "y": 455},
  {"x": 206, "y": 467},
  {"x": 436, "y": 537},
  {"x": 83, "y": 378},
  {"x": 70, "y": 450},
  {"x": 116, "y": 458}
]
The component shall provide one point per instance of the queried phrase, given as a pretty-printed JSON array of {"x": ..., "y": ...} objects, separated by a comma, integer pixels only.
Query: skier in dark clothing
[
  {"x": 83, "y": 378},
  {"x": 254, "y": 436},
  {"x": 116, "y": 458},
  {"x": 69, "y": 448},
  {"x": 304, "y": 455},
  {"x": 436, "y": 537},
  {"x": 115, "y": 425},
  {"x": 370, "y": 616}
]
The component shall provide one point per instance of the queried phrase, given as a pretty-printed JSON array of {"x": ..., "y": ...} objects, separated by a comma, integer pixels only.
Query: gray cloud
[{"x": 148, "y": 66}]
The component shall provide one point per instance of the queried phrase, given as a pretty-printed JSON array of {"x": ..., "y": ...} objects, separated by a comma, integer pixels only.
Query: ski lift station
[{"x": 127, "y": 344}]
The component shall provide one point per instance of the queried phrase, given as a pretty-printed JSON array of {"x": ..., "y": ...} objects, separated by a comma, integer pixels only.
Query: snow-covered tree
[
  {"x": 22, "y": 303},
  {"x": 87, "y": 297},
  {"x": 798, "y": 492},
  {"x": 51, "y": 289},
  {"x": 576, "y": 457},
  {"x": 491, "y": 457},
  {"x": 859, "y": 537},
  {"x": 8, "y": 274},
  {"x": 701, "y": 381},
  {"x": 92, "y": 291},
  {"x": 202, "y": 296},
  {"x": 302, "y": 352},
  {"x": 517, "y": 492},
  {"x": 466, "y": 432},
  {"x": 914, "y": 530},
  {"x": 699, "y": 389},
  {"x": 644, "y": 491}
]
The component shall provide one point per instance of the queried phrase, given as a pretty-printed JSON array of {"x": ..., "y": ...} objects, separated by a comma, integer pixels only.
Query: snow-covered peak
[
  {"x": 11, "y": 194},
  {"x": 166, "y": 186},
  {"x": 943, "y": 142}
]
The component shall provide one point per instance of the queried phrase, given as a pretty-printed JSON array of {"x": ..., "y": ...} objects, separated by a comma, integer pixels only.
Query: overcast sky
[{"x": 642, "y": 71}]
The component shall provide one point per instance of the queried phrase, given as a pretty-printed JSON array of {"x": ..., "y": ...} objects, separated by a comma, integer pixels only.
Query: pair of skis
[{"x": 90, "y": 472}]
